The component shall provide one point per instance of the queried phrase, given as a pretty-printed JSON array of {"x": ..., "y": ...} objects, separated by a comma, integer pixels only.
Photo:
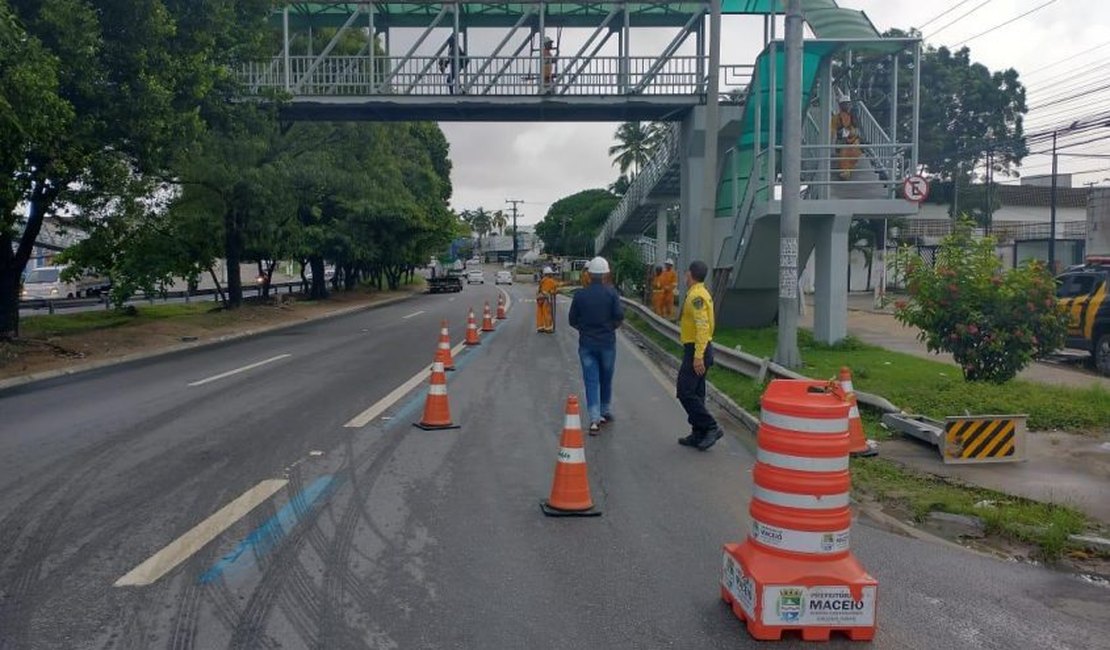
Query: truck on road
[{"x": 46, "y": 283}]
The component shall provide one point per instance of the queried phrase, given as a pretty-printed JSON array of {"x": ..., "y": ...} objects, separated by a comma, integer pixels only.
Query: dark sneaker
[
  {"x": 595, "y": 428},
  {"x": 710, "y": 439},
  {"x": 690, "y": 440},
  {"x": 606, "y": 419}
]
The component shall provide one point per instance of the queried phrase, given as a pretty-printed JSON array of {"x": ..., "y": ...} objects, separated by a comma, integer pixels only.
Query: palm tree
[
  {"x": 861, "y": 237},
  {"x": 636, "y": 143},
  {"x": 480, "y": 221},
  {"x": 499, "y": 221}
]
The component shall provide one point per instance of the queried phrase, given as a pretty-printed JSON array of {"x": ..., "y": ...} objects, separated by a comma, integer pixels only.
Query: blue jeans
[{"x": 597, "y": 372}]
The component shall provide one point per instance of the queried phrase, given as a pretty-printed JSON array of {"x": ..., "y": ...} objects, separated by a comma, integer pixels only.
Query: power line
[
  {"x": 1082, "y": 94},
  {"x": 943, "y": 13},
  {"x": 962, "y": 16},
  {"x": 1066, "y": 59},
  {"x": 1001, "y": 25}
]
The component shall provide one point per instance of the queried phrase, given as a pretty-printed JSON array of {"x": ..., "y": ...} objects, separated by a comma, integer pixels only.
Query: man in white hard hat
[
  {"x": 545, "y": 301},
  {"x": 596, "y": 313},
  {"x": 845, "y": 130}
]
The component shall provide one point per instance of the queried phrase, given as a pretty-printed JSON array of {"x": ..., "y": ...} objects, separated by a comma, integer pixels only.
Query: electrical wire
[
  {"x": 962, "y": 16},
  {"x": 943, "y": 14},
  {"x": 1001, "y": 25},
  {"x": 1081, "y": 94},
  {"x": 1071, "y": 57}
]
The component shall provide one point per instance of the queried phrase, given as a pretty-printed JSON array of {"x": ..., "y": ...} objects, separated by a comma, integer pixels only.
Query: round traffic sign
[{"x": 915, "y": 188}]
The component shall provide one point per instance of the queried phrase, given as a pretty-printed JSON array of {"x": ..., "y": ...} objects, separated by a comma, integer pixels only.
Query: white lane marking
[
  {"x": 412, "y": 315},
  {"x": 229, "y": 373},
  {"x": 450, "y": 300},
  {"x": 379, "y": 407},
  {"x": 185, "y": 546}
]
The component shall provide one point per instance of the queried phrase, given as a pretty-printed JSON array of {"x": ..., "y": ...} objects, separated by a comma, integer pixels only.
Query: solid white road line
[
  {"x": 412, "y": 315},
  {"x": 229, "y": 373},
  {"x": 185, "y": 546},
  {"x": 382, "y": 405}
]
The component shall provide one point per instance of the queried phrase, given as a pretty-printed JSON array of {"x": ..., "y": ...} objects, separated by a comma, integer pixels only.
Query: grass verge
[
  {"x": 933, "y": 388},
  {"x": 71, "y": 324},
  {"x": 1044, "y": 526}
]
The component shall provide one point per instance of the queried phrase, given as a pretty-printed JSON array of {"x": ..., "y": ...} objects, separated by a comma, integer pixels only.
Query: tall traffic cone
[
  {"x": 857, "y": 439},
  {"x": 443, "y": 349},
  {"x": 471, "y": 330},
  {"x": 437, "y": 410},
  {"x": 570, "y": 491},
  {"x": 487, "y": 319},
  {"x": 501, "y": 308}
]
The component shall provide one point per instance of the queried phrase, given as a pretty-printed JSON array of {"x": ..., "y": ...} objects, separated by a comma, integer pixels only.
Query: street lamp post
[{"x": 1052, "y": 213}]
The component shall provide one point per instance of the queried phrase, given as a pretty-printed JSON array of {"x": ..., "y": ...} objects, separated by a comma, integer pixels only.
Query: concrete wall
[{"x": 1098, "y": 222}]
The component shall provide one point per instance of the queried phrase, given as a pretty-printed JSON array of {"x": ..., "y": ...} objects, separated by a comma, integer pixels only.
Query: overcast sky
[{"x": 542, "y": 162}]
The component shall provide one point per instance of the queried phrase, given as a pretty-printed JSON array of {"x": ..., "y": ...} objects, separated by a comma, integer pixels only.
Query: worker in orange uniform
[
  {"x": 669, "y": 286},
  {"x": 845, "y": 129},
  {"x": 545, "y": 302},
  {"x": 584, "y": 278},
  {"x": 550, "y": 53},
  {"x": 657, "y": 291}
]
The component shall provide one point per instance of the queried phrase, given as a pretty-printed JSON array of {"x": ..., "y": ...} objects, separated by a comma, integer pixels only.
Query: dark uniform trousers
[{"x": 691, "y": 390}]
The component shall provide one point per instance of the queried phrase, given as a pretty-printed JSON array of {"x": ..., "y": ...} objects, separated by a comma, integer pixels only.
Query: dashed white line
[
  {"x": 229, "y": 373},
  {"x": 185, "y": 546},
  {"x": 379, "y": 407},
  {"x": 412, "y": 315}
]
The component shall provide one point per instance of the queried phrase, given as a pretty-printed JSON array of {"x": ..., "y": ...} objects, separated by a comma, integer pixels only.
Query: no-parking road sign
[{"x": 915, "y": 188}]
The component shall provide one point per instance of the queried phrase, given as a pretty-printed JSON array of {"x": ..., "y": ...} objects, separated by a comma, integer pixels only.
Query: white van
[{"x": 46, "y": 282}]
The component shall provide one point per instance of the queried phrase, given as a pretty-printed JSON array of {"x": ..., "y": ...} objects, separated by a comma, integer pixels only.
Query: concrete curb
[{"x": 24, "y": 380}]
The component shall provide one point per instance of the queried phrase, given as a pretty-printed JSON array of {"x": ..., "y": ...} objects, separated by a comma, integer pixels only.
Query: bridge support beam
[
  {"x": 693, "y": 168},
  {"x": 830, "y": 314}
]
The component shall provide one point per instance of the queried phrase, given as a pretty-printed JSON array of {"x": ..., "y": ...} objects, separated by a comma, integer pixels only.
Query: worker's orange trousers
[{"x": 544, "y": 320}]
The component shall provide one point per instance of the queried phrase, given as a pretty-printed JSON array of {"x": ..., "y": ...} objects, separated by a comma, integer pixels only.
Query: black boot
[
  {"x": 711, "y": 437},
  {"x": 692, "y": 439}
]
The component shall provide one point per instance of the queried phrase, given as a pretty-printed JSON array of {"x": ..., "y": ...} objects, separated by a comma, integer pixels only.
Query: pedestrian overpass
[{"x": 484, "y": 61}]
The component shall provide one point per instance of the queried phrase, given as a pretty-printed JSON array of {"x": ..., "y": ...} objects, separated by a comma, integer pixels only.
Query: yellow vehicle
[{"x": 1083, "y": 292}]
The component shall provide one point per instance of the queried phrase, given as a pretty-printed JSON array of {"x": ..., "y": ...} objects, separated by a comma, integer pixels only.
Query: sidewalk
[{"x": 878, "y": 327}]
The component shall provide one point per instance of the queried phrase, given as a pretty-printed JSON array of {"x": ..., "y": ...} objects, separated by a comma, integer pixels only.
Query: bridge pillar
[
  {"x": 830, "y": 314},
  {"x": 691, "y": 172},
  {"x": 661, "y": 233}
]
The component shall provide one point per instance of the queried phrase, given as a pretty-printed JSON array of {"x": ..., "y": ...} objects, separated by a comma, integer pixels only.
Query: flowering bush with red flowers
[{"x": 993, "y": 322}]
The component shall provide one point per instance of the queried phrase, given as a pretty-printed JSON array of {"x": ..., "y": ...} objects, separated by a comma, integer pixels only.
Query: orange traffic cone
[
  {"x": 570, "y": 491},
  {"x": 857, "y": 439},
  {"x": 471, "y": 330},
  {"x": 487, "y": 319},
  {"x": 437, "y": 410},
  {"x": 443, "y": 350},
  {"x": 501, "y": 308}
]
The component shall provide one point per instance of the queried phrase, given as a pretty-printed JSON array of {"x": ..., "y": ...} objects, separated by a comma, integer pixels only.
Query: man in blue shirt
[{"x": 596, "y": 313}]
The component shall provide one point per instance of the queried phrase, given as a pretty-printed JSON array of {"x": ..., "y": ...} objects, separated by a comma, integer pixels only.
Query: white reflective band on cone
[
  {"x": 805, "y": 501},
  {"x": 800, "y": 541},
  {"x": 437, "y": 366},
  {"x": 802, "y": 463},
  {"x": 804, "y": 425},
  {"x": 572, "y": 455},
  {"x": 573, "y": 422},
  {"x": 444, "y": 346},
  {"x": 437, "y": 389},
  {"x": 853, "y": 412}
]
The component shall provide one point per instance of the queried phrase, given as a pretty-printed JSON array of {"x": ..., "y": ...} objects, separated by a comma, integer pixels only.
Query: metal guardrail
[
  {"x": 748, "y": 364},
  {"x": 53, "y": 305}
]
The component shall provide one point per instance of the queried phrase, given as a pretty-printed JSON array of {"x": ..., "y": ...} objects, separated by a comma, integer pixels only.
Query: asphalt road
[{"x": 385, "y": 536}]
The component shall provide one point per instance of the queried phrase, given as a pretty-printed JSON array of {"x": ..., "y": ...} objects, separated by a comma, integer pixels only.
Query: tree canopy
[{"x": 572, "y": 223}]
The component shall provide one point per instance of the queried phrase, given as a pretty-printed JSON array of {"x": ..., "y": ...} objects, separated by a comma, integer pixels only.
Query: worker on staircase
[
  {"x": 845, "y": 129},
  {"x": 669, "y": 286},
  {"x": 545, "y": 302}
]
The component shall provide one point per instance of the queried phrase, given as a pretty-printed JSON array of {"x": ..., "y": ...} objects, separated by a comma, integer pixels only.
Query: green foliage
[
  {"x": 572, "y": 223},
  {"x": 636, "y": 144},
  {"x": 71, "y": 324},
  {"x": 627, "y": 266},
  {"x": 994, "y": 322}
]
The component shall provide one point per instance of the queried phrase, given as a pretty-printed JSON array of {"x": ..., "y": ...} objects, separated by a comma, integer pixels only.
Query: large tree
[
  {"x": 119, "y": 86},
  {"x": 573, "y": 222},
  {"x": 636, "y": 143}
]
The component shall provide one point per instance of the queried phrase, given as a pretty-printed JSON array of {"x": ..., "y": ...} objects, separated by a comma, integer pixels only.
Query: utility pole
[
  {"x": 1052, "y": 213},
  {"x": 787, "y": 353},
  {"x": 516, "y": 235}
]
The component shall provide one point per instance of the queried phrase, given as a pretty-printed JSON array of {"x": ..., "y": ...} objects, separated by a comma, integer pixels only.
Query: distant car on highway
[
  {"x": 503, "y": 277},
  {"x": 476, "y": 276}
]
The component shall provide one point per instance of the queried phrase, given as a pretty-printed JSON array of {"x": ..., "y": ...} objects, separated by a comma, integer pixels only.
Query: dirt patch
[{"x": 56, "y": 343}]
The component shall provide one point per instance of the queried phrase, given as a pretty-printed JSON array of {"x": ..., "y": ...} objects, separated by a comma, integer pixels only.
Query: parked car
[
  {"x": 503, "y": 277},
  {"x": 476, "y": 276},
  {"x": 1083, "y": 293},
  {"x": 46, "y": 282}
]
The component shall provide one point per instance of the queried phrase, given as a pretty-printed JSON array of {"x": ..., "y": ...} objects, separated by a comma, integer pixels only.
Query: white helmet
[
  {"x": 547, "y": 270},
  {"x": 669, "y": 262},
  {"x": 598, "y": 266},
  {"x": 843, "y": 97}
]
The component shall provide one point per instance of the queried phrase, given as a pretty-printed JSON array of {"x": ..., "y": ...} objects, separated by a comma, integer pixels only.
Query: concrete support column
[
  {"x": 693, "y": 168},
  {"x": 830, "y": 314},
  {"x": 661, "y": 233}
]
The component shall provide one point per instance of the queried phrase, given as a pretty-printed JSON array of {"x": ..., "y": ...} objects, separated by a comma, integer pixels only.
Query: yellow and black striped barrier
[{"x": 984, "y": 439}]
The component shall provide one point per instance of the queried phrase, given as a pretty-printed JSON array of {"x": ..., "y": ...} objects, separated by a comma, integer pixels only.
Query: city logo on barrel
[{"x": 791, "y": 605}]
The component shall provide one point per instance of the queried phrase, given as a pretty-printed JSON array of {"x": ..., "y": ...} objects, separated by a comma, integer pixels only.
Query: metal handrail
[{"x": 641, "y": 185}]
